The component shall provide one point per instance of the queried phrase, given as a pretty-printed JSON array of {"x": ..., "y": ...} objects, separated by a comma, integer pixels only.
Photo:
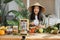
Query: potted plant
[{"x": 18, "y": 14}]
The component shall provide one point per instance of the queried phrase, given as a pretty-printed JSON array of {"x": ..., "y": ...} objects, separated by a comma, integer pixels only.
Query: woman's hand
[
  {"x": 32, "y": 23},
  {"x": 41, "y": 26}
]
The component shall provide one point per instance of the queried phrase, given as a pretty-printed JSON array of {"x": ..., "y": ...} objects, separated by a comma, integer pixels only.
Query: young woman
[{"x": 36, "y": 11}]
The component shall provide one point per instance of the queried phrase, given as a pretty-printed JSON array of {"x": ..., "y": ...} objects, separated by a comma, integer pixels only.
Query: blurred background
[{"x": 52, "y": 8}]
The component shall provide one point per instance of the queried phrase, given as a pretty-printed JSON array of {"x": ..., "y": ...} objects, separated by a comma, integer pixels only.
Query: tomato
[{"x": 32, "y": 30}]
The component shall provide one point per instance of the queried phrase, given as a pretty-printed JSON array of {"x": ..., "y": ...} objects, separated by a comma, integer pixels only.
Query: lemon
[{"x": 41, "y": 30}]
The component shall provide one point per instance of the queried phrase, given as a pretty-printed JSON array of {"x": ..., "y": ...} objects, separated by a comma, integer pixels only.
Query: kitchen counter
[{"x": 36, "y": 36}]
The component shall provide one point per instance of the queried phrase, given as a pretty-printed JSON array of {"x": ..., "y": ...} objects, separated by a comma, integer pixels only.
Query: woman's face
[{"x": 36, "y": 10}]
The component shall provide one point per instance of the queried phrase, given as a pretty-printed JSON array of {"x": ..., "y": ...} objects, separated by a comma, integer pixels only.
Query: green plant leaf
[
  {"x": 13, "y": 22},
  {"x": 25, "y": 13},
  {"x": 20, "y": 3},
  {"x": 18, "y": 14},
  {"x": 7, "y": 1}
]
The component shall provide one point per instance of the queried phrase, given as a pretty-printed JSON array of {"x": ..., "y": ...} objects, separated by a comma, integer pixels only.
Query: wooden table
[{"x": 32, "y": 37}]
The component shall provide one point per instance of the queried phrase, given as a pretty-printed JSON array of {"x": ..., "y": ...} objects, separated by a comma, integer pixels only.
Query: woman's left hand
[{"x": 42, "y": 26}]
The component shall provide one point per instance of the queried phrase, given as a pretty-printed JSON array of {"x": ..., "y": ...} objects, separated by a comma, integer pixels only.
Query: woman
[{"x": 36, "y": 13}]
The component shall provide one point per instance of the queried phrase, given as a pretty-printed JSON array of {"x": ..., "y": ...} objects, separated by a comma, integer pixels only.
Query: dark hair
[{"x": 40, "y": 16}]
